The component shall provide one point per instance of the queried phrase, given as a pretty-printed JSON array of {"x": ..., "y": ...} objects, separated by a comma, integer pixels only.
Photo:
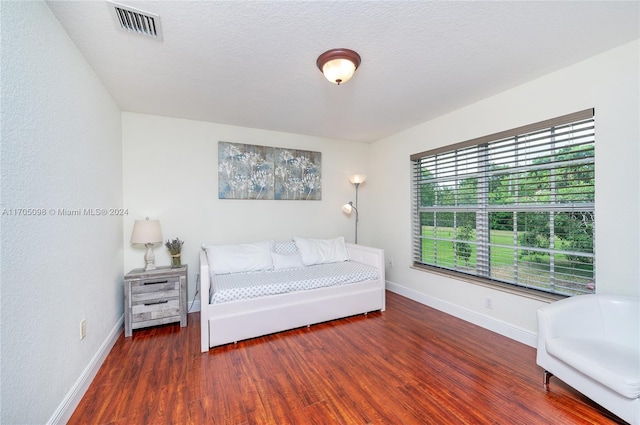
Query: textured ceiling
[{"x": 253, "y": 64}]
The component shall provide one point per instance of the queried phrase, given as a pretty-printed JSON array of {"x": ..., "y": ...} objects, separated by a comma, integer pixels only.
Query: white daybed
[{"x": 232, "y": 321}]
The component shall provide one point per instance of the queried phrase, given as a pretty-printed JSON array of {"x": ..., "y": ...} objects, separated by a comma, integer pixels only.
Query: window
[{"x": 514, "y": 208}]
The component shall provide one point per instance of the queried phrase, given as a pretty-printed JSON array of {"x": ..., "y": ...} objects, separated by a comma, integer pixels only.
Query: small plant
[{"x": 174, "y": 246}]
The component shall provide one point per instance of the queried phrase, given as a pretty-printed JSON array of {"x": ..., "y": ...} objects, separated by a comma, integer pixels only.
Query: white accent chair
[{"x": 592, "y": 343}]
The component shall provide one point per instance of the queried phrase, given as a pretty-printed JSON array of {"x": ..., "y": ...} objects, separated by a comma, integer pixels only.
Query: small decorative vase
[{"x": 175, "y": 261}]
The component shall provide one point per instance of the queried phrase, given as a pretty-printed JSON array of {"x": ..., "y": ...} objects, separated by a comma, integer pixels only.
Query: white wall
[
  {"x": 608, "y": 82},
  {"x": 170, "y": 173},
  {"x": 61, "y": 148}
]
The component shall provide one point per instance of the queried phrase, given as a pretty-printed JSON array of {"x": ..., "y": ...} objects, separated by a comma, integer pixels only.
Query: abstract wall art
[{"x": 264, "y": 172}]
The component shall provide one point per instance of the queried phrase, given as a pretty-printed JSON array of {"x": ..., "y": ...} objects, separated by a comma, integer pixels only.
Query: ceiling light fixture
[{"x": 338, "y": 65}]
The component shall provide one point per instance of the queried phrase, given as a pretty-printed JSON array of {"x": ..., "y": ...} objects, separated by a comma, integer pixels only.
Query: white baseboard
[
  {"x": 503, "y": 328},
  {"x": 70, "y": 402}
]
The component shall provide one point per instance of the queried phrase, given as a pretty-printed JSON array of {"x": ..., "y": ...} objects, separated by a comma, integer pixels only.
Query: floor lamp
[{"x": 356, "y": 180}]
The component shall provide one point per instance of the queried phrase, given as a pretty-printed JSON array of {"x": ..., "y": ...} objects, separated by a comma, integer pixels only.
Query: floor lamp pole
[{"x": 356, "y": 208}]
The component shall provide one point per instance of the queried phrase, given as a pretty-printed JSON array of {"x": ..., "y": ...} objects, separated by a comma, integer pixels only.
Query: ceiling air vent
[{"x": 136, "y": 21}]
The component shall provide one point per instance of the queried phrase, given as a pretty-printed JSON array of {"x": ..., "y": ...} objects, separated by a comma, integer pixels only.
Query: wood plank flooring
[{"x": 408, "y": 365}]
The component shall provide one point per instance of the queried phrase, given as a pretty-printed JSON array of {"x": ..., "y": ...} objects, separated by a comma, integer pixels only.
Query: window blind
[{"x": 516, "y": 207}]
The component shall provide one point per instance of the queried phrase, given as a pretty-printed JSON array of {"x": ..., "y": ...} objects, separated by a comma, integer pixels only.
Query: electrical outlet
[
  {"x": 83, "y": 328},
  {"x": 488, "y": 303},
  {"x": 390, "y": 263}
]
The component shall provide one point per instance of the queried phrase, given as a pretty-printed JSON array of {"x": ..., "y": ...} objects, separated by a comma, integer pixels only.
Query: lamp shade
[
  {"x": 347, "y": 208},
  {"x": 357, "y": 178},
  {"x": 338, "y": 65},
  {"x": 146, "y": 231}
]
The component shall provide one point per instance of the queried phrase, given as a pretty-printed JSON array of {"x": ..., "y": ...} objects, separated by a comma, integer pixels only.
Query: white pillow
[
  {"x": 287, "y": 261},
  {"x": 238, "y": 258},
  {"x": 321, "y": 251}
]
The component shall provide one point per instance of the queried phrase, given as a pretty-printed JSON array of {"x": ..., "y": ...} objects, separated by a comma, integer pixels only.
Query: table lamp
[{"x": 147, "y": 232}]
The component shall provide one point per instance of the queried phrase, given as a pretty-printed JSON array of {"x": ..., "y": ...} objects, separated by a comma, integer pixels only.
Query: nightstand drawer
[
  {"x": 157, "y": 295},
  {"x": 147, "y": 286},
  {"x": 153, "y": 310}
]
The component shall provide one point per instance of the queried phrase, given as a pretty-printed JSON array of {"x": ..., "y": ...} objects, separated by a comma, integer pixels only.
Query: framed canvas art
[{"x": 264, "y": 172}]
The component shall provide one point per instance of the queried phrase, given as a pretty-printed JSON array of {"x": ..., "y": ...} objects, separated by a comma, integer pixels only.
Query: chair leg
[{"x": 546, "y": 375}]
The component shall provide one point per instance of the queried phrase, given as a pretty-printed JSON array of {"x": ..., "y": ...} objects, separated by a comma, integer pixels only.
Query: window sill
[{"x": 533, "y": 294}]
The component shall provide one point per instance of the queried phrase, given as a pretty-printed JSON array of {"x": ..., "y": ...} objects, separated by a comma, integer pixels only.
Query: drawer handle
[
  {"x": 156, "y": 282},
  {"x": 157, "y": 302}
]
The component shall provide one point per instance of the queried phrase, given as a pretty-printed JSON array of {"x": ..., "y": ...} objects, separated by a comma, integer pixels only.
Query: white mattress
[{"x": 237, "y": 286}]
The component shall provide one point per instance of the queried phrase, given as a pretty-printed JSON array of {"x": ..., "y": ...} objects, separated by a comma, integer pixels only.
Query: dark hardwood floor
[{"x": 408, "y": 365}]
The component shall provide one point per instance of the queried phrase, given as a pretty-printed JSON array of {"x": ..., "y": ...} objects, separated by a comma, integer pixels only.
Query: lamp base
[{"x": 149, "y": 258}]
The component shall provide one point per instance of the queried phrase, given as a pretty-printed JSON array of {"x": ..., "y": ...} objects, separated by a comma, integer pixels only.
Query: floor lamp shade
[{"x": 357, "y": 178}]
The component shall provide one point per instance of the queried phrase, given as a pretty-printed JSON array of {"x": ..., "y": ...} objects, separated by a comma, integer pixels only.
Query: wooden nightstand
[{"x": 155, "y": 297}]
